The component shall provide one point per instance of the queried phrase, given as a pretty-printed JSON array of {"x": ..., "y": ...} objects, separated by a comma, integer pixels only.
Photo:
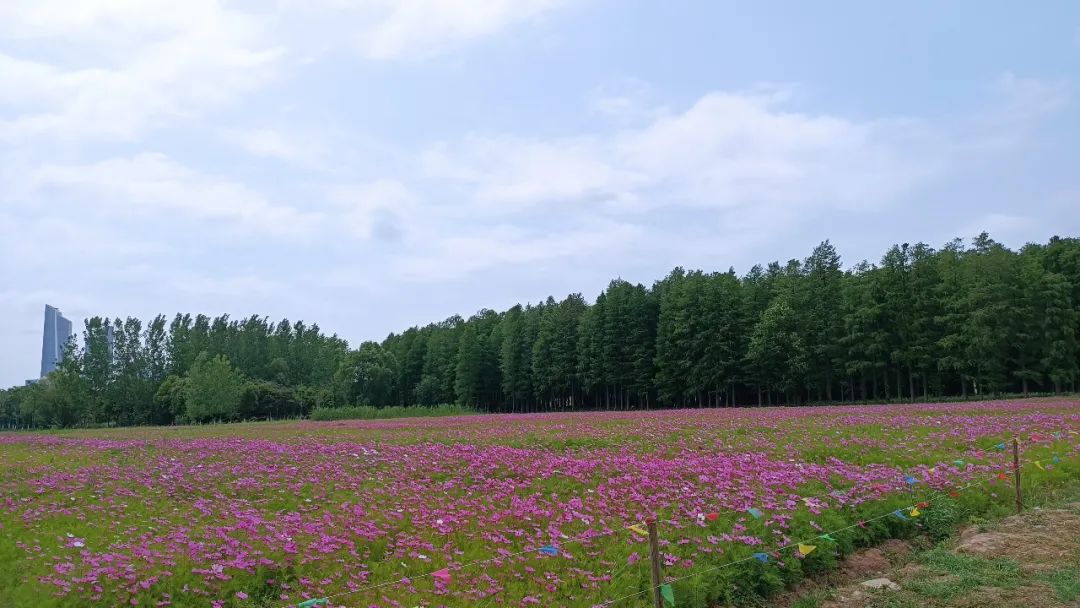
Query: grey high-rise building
[{"x": 53, "y": 339}]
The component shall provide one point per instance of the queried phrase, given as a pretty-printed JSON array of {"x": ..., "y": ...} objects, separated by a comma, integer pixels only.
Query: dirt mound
[{"x": 1032, "y": 559}]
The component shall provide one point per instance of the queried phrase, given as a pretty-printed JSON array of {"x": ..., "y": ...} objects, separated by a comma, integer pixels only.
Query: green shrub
[{"x": 367, "y": 412}]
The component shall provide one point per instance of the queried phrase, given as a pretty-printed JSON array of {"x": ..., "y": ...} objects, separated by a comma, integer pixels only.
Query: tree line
[{"x": 921, "y": 323}]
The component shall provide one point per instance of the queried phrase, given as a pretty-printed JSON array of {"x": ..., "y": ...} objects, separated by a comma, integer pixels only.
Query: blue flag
[
  {"x": 762, "y": 557},
  {"x": 549, "y": 550}
]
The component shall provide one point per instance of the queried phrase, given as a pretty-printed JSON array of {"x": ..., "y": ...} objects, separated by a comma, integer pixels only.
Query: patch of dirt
[
  {"x": 859, "y": 566},
  {"x": 1038, "y": 543},
  {"x": 1032, "y": 538},
  {"x": 865, "y": 563}
]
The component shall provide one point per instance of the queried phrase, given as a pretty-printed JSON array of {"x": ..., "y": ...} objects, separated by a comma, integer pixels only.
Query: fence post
[
  {"x": 654, "y": 560},
  {"x": 1016, "y": 474}
]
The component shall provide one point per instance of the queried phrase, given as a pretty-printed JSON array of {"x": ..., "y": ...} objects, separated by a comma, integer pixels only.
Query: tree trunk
[{"x": 911, "y": 385}]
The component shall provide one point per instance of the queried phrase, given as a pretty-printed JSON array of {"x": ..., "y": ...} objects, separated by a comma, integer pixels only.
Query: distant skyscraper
[
  {"x": 56, "y": 334},
  {"x": 110, "y": 340}
]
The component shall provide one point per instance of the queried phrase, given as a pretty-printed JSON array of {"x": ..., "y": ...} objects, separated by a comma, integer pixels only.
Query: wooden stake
[
  {"x": 1016, "y": 474},
  {"x": 654, "y": 560}
]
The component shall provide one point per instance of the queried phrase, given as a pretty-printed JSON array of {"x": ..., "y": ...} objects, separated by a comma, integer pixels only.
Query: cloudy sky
[{"x": 374, "y": 164}]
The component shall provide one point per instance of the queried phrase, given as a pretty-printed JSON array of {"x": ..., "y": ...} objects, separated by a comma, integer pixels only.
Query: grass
[
  {"x": 1066, "y": 583},
  {"x": 957, "y": 575}
]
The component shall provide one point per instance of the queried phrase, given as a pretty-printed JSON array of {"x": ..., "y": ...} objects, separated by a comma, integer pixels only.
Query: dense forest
[{"x": 921, "y": 323}]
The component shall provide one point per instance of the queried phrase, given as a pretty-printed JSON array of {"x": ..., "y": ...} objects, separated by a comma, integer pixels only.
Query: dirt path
[{"x": 1030, "y": 561}]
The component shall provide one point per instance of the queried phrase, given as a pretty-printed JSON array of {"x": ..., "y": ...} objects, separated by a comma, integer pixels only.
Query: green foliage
[
  {"x": 946, "y": 515},
  {"x": 213, "y": 390},
  {"x": 367, "y": 412},
  {"x": 169, "y": 400},
  {"x": 958, "y": 322},
  {"x": 367, "y": 375}
]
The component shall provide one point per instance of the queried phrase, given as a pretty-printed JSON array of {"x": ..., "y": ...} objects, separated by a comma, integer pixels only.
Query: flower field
[{"x": 499, "y": 510}]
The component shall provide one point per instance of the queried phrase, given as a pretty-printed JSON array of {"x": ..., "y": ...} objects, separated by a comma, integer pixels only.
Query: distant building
[
  {"x": 53, "y": 339},
  {"x": 110, "y": 341}
]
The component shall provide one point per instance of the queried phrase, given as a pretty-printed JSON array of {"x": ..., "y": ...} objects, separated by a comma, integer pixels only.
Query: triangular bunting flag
[
  {"x": 712, "y": 516},
  {"x": 1039, "y": 464},
  {"x": 317, "y": 601},
  {"x": 668, "y": 594},
  {"x": 639, "y": 530},
  {"x": 958, "y": 463},
  {"x": 755, "y": 512},
  {"x": 1000, "y": 446},
  {"x": 806, "y": 549},
  {"x": 915, "y": 512},
  {"x": 762, "y": 557},
  {"x": 954, "y": 494},
  {"x": 549, "y": 550},
  {"x": 1002, "y": 476},
  {"x": 1055, "y": 459},
  {"x": 933, "y": 471},
  {"x": 899, "y": 514},
  {"x": 442, "y": 575},
  {"x": 911, "y": 480},
  {"x": 862, "y": 524},
  {"x": 827, "y": 537}
]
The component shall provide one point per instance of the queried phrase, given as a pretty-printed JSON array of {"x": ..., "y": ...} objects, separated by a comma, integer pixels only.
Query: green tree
[
  {"x": 776, "y": 353},
  {"x": 366, "y": 376},
  {"x": 212, "y": 390}
]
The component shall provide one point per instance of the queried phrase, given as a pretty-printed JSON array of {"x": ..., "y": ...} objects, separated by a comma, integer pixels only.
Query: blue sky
[{"x": 372, "y": 164}]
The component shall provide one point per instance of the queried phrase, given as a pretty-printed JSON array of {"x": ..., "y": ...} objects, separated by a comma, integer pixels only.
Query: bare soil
[{"x": 1031, "y": 560}]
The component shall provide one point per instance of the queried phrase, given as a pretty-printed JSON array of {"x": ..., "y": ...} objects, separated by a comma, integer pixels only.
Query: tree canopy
[{"x": 920, "y": 323}]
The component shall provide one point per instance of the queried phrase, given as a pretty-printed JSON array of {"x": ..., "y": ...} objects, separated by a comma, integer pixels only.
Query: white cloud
[
  {"x": 726, "y": 150},
  {"x": 381, "y": 209},
  {"x": 145, "y": 64},
  {"x": 509, "y": 173},
  {"x": 274, "y": 143},
  {"x": 151, "y": 183},
  {"x": 416, "y": 29},
  {"x": 507, "y": 245}
]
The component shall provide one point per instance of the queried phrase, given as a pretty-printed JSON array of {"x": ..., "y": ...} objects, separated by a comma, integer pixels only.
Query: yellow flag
[
  {"x": 1039, "y": 464},
  {"x": 933, "y": 470},
  {"x": 915, "y": 512},
  {"x": 640, "y": 529},
  {"x": 806, "y": 549}
]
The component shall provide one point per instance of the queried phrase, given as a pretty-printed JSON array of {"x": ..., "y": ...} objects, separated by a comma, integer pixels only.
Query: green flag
[{"x": 668, "y": 594}]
